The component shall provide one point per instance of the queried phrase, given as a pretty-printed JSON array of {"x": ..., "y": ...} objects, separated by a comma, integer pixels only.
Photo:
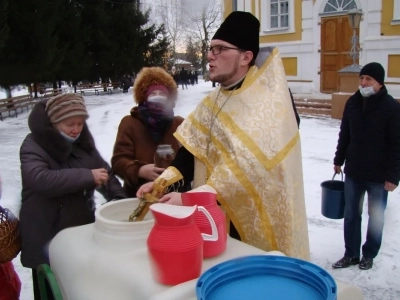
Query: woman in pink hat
[{"x": 150, "y": 123}]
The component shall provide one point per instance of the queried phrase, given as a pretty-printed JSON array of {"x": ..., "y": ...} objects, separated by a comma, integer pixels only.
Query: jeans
[{"x": 354, "y": 192}]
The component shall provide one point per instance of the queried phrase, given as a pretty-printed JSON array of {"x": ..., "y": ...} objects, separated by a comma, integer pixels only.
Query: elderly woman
[
  {"x": 61, "y": 168},
  {"x": 150, "y": 123}
]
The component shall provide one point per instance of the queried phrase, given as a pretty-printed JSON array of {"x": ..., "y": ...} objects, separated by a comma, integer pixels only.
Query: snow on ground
[{"x": 318, "y": 137}]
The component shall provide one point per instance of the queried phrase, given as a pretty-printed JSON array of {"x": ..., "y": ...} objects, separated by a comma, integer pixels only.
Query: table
[{"x": 86, "y": 271}]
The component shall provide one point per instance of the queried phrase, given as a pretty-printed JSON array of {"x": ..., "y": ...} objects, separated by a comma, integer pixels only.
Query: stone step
[
  {"x": 313, "y": 111},
  {"x": 313, "y": 104}
]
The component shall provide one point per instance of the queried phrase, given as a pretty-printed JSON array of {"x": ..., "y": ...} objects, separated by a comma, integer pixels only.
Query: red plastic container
[
  {"x": 209, "y": 201},
  {"x": 175, "y": 243}
]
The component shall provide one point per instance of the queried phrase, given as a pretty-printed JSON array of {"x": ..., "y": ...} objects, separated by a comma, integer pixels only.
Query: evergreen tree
[
  {"x": 158, "y": 46},
  {"x": 96, "y": 21},
  {"x": 120, "y": 41},
  {"x": 72, "y": 38},
  {"x": 124, "y": 31},
  {"x": 31, "y": 48},
  {"x": 135, "y": 43},
  {"x": 3, "y": 23},
  {"x": 76, "y": 40}
]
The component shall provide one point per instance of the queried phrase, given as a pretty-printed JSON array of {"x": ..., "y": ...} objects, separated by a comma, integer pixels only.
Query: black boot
[
  {"x": 366, "y": 263},
  {"x": 346, "y": 262}
]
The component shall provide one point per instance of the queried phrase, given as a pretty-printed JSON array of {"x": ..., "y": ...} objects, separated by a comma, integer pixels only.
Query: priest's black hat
[{"x": 241, "y": 29}]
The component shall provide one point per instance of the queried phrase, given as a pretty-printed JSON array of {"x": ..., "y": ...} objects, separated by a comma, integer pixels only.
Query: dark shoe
[
  {"x": 366, "y": 263},
  {"x": 346, "y": 262}
]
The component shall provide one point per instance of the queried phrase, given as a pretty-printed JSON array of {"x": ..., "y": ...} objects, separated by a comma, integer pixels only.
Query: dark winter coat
[
  {"x": 176, "y": 76},
  {"x": 369, "y": 138},
  {"x": 184, "y": 75},
  {"x": 126, "y": 83},
  {"x": 57, "y": 185},
  {"x": 135, "y": 148}
]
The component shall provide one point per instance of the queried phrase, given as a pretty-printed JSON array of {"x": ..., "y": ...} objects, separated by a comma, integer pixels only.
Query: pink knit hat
[{"x": 156, "y": 87}]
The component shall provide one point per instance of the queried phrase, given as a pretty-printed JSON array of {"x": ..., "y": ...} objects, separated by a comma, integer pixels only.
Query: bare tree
[
  {"x": 170, "y": 13},
  {"x": 202, "y": 19}
]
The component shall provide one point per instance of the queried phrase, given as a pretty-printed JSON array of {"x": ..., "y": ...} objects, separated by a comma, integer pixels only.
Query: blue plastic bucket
[
  {"x": 261, "y": 277},
  {"x": 332, "y": 198}
]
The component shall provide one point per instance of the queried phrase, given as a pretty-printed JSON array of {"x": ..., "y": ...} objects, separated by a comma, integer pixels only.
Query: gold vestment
[{"x": 252, "y": 157}]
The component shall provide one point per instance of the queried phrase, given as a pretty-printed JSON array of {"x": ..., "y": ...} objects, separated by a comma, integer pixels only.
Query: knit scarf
[{"x": 157, "y": 118}]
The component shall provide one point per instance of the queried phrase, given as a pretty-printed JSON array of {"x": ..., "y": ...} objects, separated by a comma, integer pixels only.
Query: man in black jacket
[{"x": 369, "y": 143}]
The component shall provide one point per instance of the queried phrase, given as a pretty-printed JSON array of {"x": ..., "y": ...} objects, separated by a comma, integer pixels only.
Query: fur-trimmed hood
[
  {"x": 50, "y": 139},
  {"x": 153, "y": 76}
]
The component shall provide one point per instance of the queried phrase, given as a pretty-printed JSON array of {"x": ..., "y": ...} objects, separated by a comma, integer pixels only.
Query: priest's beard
[{"x": 222, "y": 78}]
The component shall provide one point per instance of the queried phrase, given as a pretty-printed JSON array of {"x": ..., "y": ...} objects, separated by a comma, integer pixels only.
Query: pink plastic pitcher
[
  {"x": 205, "y": 197},
  {"x": 175, "y": 243}
]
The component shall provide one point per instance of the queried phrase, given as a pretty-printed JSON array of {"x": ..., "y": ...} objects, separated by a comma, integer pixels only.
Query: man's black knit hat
[
  {"x": 241, "y": 29},
  {"x": 375, "y": 70}
]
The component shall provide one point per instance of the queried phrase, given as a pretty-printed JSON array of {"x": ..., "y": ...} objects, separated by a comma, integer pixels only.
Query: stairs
[{"x": 320, "y": 107}]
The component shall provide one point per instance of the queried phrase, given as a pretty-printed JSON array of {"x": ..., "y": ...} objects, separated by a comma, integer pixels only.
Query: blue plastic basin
[{"x": 263, "y": 277}]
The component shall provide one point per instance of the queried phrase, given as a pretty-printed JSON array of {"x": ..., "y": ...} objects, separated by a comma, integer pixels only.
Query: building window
[
  {"x": 277, "y": 15},
  {"x": 241, "y": 5},
  {"x": 333, "y": 6},
  {"x": 396, "y": 10}
]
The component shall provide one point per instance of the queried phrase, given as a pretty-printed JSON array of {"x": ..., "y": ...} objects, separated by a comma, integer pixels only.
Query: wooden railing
[
  {"x": 14, "y": 104},
  {"x": 97, "y": 88},
  {"x": 19, "y": 103}
]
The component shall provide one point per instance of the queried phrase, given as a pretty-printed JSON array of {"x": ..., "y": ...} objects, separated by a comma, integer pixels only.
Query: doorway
[{"x": 336, "y": 35}]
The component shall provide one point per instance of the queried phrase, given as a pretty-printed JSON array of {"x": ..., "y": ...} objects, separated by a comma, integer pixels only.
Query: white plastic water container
[{"x": 109, "y": 260}]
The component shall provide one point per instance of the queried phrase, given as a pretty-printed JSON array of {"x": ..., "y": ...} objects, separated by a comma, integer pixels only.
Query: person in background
[
  {"x": 10, "y": 284},
  {"x": 243, "y": 140},
  {"x": 151, "y": 123},
  {"x": 61, "y": 169},
  {"x": 184, "y": 76},
  {"x": 126, "y": 83},
  {"x": 175, "y": 75},
  {"x": 369, "y": 146},
  {"x": 191, "y": 76}
]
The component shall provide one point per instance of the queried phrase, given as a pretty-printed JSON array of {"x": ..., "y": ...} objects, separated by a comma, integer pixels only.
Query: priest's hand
[
  {"x": 145, "y": 188},
  {"x": 172, "y": 198}
]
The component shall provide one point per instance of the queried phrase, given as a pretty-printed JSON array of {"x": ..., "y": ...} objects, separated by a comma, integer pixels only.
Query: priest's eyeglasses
[{"x": 215, "y": 50}]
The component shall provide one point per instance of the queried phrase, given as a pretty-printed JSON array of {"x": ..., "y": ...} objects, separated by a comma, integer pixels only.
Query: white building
[{"x": 313, "y": 37}]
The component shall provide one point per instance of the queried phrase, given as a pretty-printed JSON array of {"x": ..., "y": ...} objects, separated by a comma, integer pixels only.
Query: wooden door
[{"x": 336, "y": 36}]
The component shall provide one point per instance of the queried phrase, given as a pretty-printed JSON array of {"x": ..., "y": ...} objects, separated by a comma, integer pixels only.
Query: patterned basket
[{"x": 10, "y": 236}]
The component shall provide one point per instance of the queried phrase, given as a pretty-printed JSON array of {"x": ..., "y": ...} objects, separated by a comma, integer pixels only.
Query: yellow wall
[
  {"x": 228, "y": 7},
  {"x": 290, "y": 65},
  {"x": 295, "y": 36},
  {"x": 387, "y": 17},
  {"x": 393, "y": 66}
]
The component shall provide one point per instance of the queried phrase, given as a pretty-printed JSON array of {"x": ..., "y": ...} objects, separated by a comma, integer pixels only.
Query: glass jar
[{"x": 164, "y": 156}]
